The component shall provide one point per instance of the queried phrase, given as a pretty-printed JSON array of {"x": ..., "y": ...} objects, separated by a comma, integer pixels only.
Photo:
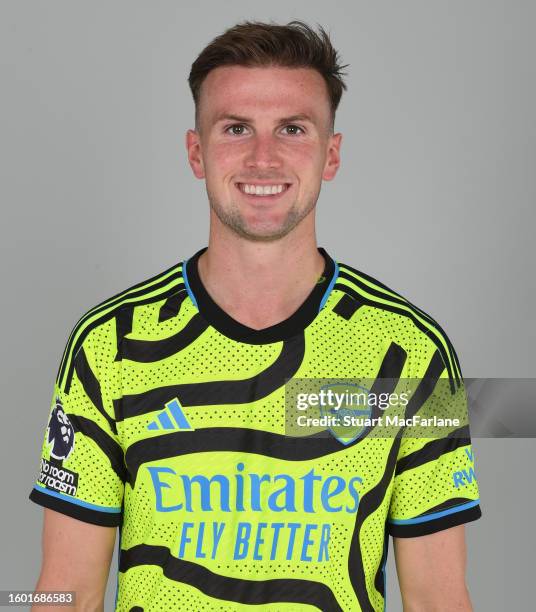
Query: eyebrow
[{"x": 240, "y": 119}]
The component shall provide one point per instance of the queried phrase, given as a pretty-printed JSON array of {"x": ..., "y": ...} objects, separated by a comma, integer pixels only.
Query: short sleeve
[
  {"x": 435, "y": 484},
  {"x": 81, "y": 471}
]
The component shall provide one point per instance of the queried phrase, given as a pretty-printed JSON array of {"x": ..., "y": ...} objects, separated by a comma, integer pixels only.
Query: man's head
[{"x": 265, "y": 98}]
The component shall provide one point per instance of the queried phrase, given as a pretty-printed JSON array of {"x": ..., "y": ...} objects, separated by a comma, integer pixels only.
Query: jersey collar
[{"x": 235, "y": 330}]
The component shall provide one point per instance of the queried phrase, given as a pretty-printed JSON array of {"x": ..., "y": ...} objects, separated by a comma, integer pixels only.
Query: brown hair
[{"x": 253, "y": 43}]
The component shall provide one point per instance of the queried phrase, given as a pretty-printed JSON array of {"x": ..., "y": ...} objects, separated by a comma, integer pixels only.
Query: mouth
[{"x": 267, "y": 192}]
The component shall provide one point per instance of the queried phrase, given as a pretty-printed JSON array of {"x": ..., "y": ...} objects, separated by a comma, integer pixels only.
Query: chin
[{"x": 264, "y": 233}]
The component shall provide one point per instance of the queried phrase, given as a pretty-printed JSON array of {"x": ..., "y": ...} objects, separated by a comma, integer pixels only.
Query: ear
[
  {"x": 195, "y": 155},
  {"x": 333, "y": 159}
]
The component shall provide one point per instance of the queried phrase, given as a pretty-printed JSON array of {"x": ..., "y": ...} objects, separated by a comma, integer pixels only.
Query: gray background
[{"x": 435, "y": 197}]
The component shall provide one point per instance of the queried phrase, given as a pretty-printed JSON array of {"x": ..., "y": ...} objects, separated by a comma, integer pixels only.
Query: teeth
[{"x": 261, "y": 190}]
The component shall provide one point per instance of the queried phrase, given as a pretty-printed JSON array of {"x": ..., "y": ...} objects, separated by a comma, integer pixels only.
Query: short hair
[{"x": 258, "y": 44}]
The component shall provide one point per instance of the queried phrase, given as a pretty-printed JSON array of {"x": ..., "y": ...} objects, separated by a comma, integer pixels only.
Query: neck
[{"x": 260, "y": 284}]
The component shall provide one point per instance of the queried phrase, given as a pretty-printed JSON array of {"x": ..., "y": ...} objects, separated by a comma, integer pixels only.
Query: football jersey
[{"x": 170, "y": 421}]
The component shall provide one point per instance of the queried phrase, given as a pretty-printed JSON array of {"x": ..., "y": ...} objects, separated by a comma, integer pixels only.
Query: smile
[{"x": 262, "y": 190}]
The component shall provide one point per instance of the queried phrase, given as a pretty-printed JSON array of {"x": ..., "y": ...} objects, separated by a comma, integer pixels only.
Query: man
[{"x": 169, "y": 417}]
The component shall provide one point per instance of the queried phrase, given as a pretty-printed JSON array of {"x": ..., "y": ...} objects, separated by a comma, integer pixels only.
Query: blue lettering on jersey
[{"x": 267, "y": 493}]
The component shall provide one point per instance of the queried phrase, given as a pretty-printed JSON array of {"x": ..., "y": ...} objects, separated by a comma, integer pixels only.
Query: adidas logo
[{"x": 171, "y": 418}]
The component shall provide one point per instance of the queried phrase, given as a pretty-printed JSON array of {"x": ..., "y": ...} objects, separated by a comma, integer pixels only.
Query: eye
[
  {"x": 236, "y": 129},
  {"x": 293, "y": 130}
]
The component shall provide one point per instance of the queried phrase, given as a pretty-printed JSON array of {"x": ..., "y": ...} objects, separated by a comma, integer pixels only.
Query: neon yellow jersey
[{"x": 168, "y": 421}]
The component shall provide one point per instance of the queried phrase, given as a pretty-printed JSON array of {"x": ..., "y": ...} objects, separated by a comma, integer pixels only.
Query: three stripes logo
[{"x": 172, "y": 418}]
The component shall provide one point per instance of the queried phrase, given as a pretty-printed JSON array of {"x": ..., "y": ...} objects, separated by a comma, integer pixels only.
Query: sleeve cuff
[
  {"x": 108, "y": 517},
  {"x": 425, "y": 525}
]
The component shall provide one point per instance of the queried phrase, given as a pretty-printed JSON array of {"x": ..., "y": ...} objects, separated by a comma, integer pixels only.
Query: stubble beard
[{"x": 232, "y": 218}]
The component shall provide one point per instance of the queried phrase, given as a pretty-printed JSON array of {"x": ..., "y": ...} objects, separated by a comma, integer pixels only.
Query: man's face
[{"x": 263, "y": 146}]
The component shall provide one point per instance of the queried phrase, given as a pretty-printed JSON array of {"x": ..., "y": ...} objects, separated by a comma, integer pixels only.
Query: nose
[{"x": 263, "y": 153}]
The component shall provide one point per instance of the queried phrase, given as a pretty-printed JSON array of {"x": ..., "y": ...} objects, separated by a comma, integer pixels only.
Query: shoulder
[
  {"x": 386, "y": 307},
  {"x": 108, "y": 321}
]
